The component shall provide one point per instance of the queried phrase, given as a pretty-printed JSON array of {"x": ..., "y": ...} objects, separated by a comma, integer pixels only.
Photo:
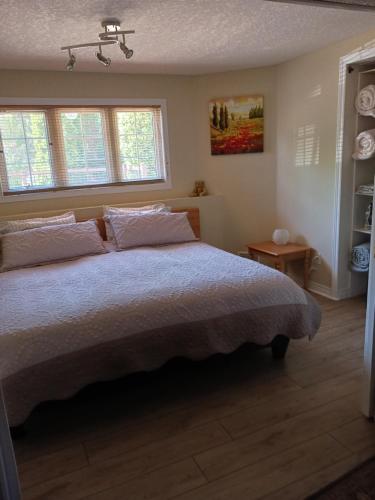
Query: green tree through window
[{"x": 26, "y": 150}]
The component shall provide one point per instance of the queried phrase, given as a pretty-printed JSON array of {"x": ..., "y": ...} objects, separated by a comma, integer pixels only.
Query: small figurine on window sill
[{"x": 199, "y": 189}]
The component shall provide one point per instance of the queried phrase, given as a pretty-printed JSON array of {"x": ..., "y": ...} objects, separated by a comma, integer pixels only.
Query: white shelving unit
[{"x": 363, "y": 171}]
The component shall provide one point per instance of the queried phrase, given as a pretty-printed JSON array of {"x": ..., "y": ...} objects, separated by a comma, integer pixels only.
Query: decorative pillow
[
  {"x": 44, "y": 245},
  {"x": 12, "y": 226},
  {"x": 156, "y": 207},
  {"x": 153, "y": 228}
]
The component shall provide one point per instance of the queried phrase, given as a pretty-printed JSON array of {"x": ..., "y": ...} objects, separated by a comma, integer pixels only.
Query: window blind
[{"x": 73, "y": 147}]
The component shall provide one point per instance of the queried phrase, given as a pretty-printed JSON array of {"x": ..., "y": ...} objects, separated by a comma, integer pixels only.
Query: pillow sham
[
  {"x": 45, "y": 245},
  {"x": 153, "y": 228},
  {"x": 107, "y": 210},
  {"x": 12, "y": 226}
]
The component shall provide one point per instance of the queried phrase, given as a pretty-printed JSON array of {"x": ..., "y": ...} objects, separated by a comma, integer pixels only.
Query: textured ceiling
[{"x": 172, "y": 36}]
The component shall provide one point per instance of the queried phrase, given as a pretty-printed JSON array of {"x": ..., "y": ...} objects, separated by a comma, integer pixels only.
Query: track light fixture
[
  {"x": 110, "y": 36},
  {"x": 71, "y": 62},
  {"x": 106, "y": 61}
]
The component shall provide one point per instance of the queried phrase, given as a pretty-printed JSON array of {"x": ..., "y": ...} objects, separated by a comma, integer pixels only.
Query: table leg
[{"x": 306, "y": 269}]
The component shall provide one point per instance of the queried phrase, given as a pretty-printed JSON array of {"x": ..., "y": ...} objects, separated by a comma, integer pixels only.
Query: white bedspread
[{"x": 57, "y": 309}]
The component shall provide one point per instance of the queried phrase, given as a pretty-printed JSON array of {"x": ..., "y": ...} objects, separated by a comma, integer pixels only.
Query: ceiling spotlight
[
  {"x": 128, "y": 52},
  {"x": 71, "y": 62},
  {"x": 102, "y": 59}
]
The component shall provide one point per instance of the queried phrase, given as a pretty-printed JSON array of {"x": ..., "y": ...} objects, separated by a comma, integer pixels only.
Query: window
[
  {"x": 136, "y": 136},
  {"x": 85, "y": 151},
  {"x": 26, "y": 150},
  {"x": 53, "y": 148}
]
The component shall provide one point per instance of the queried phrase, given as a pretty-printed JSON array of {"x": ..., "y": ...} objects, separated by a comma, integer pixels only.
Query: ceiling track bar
[
  {"x": 93, "y": 44},
  {"x": 111, "y": 35}
]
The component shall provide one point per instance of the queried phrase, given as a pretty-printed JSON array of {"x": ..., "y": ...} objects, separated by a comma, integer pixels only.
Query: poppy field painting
[{"x": 236, "y": 125}]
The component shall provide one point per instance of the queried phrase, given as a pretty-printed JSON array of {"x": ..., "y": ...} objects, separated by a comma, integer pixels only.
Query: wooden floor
[{"x": 234, "y": 427}]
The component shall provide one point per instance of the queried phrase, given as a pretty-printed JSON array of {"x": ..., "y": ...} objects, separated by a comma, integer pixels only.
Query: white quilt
[{"x": 60, "y": 308}]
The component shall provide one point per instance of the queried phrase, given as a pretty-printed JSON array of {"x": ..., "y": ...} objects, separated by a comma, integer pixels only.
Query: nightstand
[{"x": 280, "y": 255}]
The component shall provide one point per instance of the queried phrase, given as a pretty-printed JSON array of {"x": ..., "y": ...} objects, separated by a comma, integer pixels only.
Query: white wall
[
  {"x": 246, "y": 181},
  {"x": 307, "y": 97}
]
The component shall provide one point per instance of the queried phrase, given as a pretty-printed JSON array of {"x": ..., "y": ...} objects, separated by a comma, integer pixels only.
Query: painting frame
[{"x": 236, "y": 125}]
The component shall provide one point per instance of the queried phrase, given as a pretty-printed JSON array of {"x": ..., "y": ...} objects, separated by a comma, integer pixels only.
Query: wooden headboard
[{"x": 192, "y": 214}]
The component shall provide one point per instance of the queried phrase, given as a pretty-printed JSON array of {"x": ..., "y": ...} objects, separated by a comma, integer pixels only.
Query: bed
[{"x": 66, "y": 325}]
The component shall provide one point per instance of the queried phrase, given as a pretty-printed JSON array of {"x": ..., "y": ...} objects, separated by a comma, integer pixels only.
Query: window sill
[{"x": 89, "y": 191}]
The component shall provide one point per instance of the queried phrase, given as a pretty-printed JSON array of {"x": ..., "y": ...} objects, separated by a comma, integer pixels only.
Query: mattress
[{"x": 66, "y": 325}]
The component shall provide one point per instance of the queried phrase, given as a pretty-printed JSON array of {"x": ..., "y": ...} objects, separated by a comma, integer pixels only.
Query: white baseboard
[
  {"x": 323, "y": 290},
  {"x": 315, "y": 287},
  {"x": 326, "y": 291}
]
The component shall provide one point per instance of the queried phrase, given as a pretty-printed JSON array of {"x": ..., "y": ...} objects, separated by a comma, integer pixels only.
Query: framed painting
[{"x": 236, "y": 125}]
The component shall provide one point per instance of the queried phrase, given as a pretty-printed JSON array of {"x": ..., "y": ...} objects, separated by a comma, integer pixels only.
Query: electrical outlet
[{"x": 316, "y": 260}]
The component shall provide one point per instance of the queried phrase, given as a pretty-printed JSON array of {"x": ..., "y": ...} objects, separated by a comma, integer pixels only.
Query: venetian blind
[{"x": 66, "y": 148}]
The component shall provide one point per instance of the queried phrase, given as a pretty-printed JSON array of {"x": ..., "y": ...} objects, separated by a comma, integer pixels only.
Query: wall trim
[{"x": 323, "y": 290}]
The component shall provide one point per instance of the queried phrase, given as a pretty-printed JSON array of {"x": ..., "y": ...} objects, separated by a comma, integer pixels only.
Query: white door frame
[
  {"x": 341, "y": 276},
  {"x": 368, "y": 383},
  {"x": 9, "y": 483}
]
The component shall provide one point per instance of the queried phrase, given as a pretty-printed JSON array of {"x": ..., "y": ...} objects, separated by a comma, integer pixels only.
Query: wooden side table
[{"x": 280, "y": 255}]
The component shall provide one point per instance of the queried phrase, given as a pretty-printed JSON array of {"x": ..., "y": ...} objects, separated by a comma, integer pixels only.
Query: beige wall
[
  {"x": 178, "y": 92},
  {"x": 247, "y": 182},
  {"x": 307, "y": 90}
]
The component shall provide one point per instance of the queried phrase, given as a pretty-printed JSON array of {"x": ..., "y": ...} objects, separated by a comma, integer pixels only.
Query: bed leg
[
  {"x": 18, "y": 432},
  {"x": 279, "y": 346}
]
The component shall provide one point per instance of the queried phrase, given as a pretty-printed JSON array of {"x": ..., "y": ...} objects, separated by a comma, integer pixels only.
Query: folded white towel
[
  {"x": 365, "y": 101},
  {"x": 361, "y": 257},
  {"x": 366, "y": 189},
  {"x": 365, "y": 145}
]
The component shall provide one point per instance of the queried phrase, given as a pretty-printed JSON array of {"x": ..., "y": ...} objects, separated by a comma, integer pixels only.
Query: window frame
[{"x": 123, "y": 187}]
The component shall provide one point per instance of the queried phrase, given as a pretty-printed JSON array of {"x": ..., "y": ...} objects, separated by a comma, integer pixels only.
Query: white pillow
[
  {"x": 11, "y": 226},
  {"x": 107, "y": 210},
  {"x": 157, "y": 207},
  {"x": 153, "y": 228},
  {"x": 48, "y": 244}
]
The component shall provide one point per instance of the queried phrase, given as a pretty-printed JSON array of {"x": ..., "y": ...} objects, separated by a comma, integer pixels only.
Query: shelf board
[
  {"x": 361, "y": 230},
  {"x": 362, "y": 271},
  {"x": 364, "y": 194}
]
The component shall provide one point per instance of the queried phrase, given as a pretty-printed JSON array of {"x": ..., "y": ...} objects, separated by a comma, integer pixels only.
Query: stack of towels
[
  {"x": 366, "y": 189},
  {"x": 361, "y": 257},
  {"x": 365, "y": 142},
  {"x": 365, "y": 145},
  {"x": 365, "y": 101}
]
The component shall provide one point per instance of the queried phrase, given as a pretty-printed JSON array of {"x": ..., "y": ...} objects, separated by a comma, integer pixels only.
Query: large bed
[{"x": 66, "y": 325}]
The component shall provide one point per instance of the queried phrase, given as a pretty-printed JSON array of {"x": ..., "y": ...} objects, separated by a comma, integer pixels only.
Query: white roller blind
[{"x": 66, "y": 148}]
